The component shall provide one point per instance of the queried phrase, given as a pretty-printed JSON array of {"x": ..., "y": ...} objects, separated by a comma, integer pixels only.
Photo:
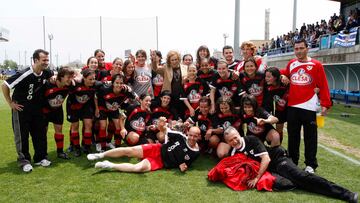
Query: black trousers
[
  {"x": 33, "y": 123},
  {"x": 296, "y": 118},
  {"x": 284, "y": 167}
]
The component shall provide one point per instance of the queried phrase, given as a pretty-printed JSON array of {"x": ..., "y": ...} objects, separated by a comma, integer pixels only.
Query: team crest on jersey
[
  {"x": 226, "y": 124},
  {"x": 142, "y": 78},
  {"x": 255, "y": 90},
  {"x": 112, "y": 107},
  {"x": 57, "y": 101},
  {"x": 158, "y": 80},
  {"x": 255, "y": 128},
  {"x": 300, "y": 78},
  {"x": 309, "y": 67},
  {"x": 185, "y": 149},
  {"x": 186, "y": 157},
  {"x": 82, "y": 99},
  {"x": 155, "y": 122},
  {"x": 194, "y": 96},
  {"x": 224, "y": 92},
  {"x": 138, "y": 124},
  {"x": 203, "y": 127}
]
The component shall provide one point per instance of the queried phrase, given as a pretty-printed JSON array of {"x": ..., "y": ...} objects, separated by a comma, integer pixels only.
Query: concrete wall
[{"x": 326, "y": 56}]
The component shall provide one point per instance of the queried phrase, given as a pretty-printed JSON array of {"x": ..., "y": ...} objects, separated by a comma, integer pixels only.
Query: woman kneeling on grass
[{"x": 178, "y": 151}]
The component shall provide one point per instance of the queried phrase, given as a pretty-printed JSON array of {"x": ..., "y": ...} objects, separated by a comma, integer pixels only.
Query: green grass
[{"x": 77, "y": 181}]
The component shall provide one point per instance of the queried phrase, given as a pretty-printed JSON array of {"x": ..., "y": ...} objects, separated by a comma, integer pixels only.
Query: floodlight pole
[
  {"x": 51, "y": 37},
  {"x": 236, "y": 30}
]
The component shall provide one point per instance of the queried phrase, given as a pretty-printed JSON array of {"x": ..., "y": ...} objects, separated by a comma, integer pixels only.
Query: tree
[{"x": 9, "y": 64}]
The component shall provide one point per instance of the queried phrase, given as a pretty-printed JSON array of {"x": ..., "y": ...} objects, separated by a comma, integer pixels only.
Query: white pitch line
[
  {"x": 340, "y": 154},
  {"x": 336, "y": 152}
]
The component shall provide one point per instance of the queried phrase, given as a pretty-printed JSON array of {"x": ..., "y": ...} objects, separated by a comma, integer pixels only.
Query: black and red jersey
[
  {"x": 254, "y": 86},
  {"x": 207, "y": 77},
  {"x": 204, "y": 122},
  {"x": 228, "y": 88},
  {"x": 252, "y": 127},
  {"x": 104, "y": 76},
  {"x": 275, "y": 97},
  {"x": 109, "y": 101},
  {"x": 54, "y": 97},
  {"x": 226, "y": 120},
  {"x": 137, "y": 119},
  {"x": 157, "y": 82},
  {"x": 159, "y": 111},
  {"x": 80, "y": 95},
  {"x": 193, "y": 91}
]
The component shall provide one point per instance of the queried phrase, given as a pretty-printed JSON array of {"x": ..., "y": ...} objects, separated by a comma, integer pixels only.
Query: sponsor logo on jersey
[
  {"x": 194, "y": 96},
  {"x": 279, "y": 101},
  {"x": 113, "y": 106},
  {"x": 57, "y": 101},
  {"x": 158, "y": 80},
  {"x": 172, "y": 147},
  {"x": 138, "y": 124},
  {"x": 255, "y": 128},
  {"x": 142, "y": 78},
  {"x": 82, "y": 99},
  {"x": 224, "y": 92},
  {"x": 255, "y": 90},
  {"x": 300, "y": 78}
]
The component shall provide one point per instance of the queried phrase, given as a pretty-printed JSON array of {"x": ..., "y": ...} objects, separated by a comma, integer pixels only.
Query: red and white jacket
[{"x": 304, "y": 78}]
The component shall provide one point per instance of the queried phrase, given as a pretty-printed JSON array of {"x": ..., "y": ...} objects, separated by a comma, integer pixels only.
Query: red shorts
[{"x": 152, "y": 153}]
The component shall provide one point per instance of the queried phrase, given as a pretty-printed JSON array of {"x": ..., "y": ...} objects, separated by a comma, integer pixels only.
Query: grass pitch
[{"x": 77, "y": 180}]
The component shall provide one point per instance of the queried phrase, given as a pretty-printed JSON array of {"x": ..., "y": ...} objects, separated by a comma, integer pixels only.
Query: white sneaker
[
  {"x": 309, "y": 169},
  {"x": 110, "y": 145},
  {"x": 44, "y": 163},
  {"x": 27, "y": 168},
  {"x": 104, "y": 165},
  {"x": 96, "y": 156},
  {"x": 98, "y": 147}
]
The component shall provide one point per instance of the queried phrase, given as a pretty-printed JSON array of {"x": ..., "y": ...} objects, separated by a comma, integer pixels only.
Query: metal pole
[
  {"x": 25, "y": 57},
  {"x": 157, "y": 33},
  {"x": 236, "y": 30},
  {"x": 100, "y": 32},
  {"x": 51, "y": 37},
  {"x": 44, "y": 33},
  {"x": 294, "y": 15},
  {"x": 19, "y": 59}
]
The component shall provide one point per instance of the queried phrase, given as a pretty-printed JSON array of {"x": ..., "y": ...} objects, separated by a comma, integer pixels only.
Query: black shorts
[
  {"x": 86, "y": 112},
  {"x": 104, "y": 115},
  {"x": 262, "y": 136},
  {"x": 56, "y": 116}
]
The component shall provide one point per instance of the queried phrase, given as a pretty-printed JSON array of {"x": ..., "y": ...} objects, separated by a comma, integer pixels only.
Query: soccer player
[
  {"x": 55, "y": 95},
  {"x": 306, "y": 75},
  {"x": 178, "y": 152},
  {"x": 110, "y": 99},
  {"x": 276, "y": 161},
  {"x": 25, "y": 103}
]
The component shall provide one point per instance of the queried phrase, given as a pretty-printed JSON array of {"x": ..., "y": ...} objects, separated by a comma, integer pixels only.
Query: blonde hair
[
  {"x": 171, "y": 54},
  {"x": 249, "y": 44}
]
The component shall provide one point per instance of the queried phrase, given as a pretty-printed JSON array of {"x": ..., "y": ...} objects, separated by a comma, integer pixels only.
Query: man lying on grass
[
  {"x": 177, "y": 151},
  {"x": 276, "y": 161}
]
